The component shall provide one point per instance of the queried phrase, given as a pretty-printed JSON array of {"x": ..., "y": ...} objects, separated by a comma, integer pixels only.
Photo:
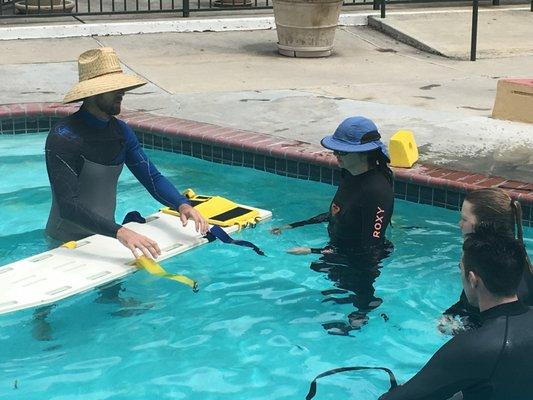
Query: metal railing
[
  {"x": 48, "y": 8},
  {"x": 39, "y": 8},
  {"x": 5, "y": 3}
]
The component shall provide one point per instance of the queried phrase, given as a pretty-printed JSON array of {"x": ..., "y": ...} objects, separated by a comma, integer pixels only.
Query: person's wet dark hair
[
  {"x": 376, "y": 159},
  {"x": 498, "y": 259}
]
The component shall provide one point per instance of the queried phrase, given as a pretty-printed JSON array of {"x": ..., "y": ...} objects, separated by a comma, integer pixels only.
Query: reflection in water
[
  {"x": 354, "y": 274},
  {"x": 42, "y": 330}
]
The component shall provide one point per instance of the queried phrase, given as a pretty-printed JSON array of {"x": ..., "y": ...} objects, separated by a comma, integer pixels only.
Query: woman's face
[
  {"x": 468, "y": 220},
  {"x": 352, "y": 161}
]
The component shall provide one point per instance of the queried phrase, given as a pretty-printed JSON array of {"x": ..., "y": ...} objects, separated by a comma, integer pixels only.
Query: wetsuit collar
[
  {"x": 513, "y": 308},
  {"x": 91, "y": 120},
  {"x": 347, "y": 174}
]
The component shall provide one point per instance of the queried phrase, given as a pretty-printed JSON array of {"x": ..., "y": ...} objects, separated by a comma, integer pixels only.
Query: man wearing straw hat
[{"x": 86, "y": 151}]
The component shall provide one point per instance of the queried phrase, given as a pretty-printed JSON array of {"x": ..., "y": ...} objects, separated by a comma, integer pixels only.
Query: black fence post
[
  {"x": 186, "y": 9},
  {"x": 383, "y": 8},
  {"x": 473, "y": 44},
  {"x": 375, "y": 4}
]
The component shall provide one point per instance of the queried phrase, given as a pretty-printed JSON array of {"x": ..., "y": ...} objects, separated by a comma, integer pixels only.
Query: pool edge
[{"x": 423, "y": 184}]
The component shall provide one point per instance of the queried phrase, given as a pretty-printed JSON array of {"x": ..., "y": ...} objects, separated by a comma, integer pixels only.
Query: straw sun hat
[{"x": 100, "y": 72}]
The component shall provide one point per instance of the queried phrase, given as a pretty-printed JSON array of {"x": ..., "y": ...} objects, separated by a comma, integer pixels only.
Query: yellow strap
[{"x": 154, "y": 268}]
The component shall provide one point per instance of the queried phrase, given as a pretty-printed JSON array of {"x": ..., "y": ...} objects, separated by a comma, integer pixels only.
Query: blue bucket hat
[{"x": 356, "y": 135}]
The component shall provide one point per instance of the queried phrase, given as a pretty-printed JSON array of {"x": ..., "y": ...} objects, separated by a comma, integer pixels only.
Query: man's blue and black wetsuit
[
  {"x": 492, "y": 362},
  {"x": 84, "y": 157}
]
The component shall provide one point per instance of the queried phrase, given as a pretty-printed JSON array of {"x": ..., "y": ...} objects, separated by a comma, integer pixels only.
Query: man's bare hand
[
  {"x": 135, "y": 242},
  {"x": 187, "y": 212}
]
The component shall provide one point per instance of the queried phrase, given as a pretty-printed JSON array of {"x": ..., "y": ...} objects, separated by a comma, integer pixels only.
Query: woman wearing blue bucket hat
[
  {"x": 359, "y": 215},
  {"x": 362, "y": 207}
]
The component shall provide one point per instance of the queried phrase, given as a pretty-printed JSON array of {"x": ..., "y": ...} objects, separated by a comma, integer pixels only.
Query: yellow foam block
[{"x": 403, "y": 150}]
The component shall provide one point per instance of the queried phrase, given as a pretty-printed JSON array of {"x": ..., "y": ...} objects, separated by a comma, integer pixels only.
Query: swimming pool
[{"x": 254, "y": 330}]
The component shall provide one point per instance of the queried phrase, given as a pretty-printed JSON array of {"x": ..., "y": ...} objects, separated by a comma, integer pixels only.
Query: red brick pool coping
[{"x": 215, "y": 137}]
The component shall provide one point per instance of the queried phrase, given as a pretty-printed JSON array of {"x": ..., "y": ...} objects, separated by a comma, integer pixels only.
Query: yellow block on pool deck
[
  {"x": 402, "y": 149},
  {"x": 95, "y": 261}
]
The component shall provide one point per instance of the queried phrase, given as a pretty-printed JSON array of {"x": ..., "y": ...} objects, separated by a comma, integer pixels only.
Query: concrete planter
[
  {"x": 306, "y": 28},
  {"x": 44, "y": 6}
]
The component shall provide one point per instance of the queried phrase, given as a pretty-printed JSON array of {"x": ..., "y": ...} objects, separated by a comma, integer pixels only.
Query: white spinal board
[{"x": 61, "y": 272}]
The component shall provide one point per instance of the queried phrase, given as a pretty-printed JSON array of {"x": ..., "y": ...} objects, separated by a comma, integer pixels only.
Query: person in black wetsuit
[
  {"x": 358, "y": 217},
  {"x": 85, "y": 153},
  {"x": 490, "y": 207},
  {"x": 492, "y": 362}
]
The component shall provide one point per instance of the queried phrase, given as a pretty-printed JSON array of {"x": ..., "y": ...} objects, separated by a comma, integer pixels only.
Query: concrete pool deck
[{"x": 237, "y": 80}]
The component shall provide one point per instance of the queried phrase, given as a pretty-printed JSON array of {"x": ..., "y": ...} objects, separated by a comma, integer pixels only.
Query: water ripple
[
  {"x": 238, "y": 326},
  {"x": 151, "y": 345},
  {"x": 94, "y": 363},
  {"x": 45, "y": 383},
  {"x": 268, "y": 293},
  {"x": 191, "y": 341},
  {"x": 196, "y": 380}
]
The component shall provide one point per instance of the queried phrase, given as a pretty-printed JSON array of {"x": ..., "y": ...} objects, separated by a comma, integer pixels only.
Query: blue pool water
[{"x": 254, "y": 331}]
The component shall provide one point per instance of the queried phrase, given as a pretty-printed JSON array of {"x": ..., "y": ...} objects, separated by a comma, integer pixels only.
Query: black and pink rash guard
[
  {"x": 361, "y": 210},
  {"x": 359, "y": 213}
]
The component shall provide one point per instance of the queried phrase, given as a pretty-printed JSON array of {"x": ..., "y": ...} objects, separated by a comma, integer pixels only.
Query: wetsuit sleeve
[
  {"x": 454, "y": 368},
  {"x": 138, "y": 163},
  {"x": 64, "y": 163},
  {"x": 376, "y": 211},
  {"x": 324, "y": 217}
]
